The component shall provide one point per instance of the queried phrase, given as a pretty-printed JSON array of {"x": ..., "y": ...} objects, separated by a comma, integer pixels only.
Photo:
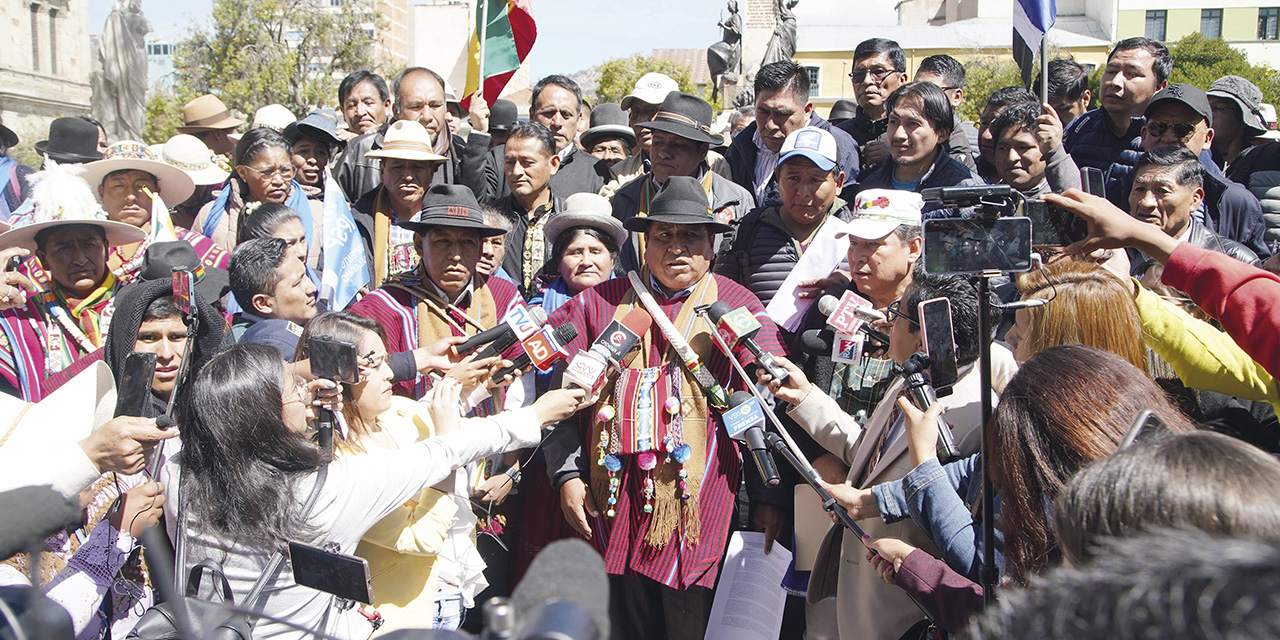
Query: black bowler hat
[
  {"x": 161, "y": 258},
  {"x": 450, "y": 205},
  {"x": 7, "y": 137},
  {"x": 686, "y": 116},
  {"x": 842, "y": 110},
  {"x": 682, "y": 200},
  {"x": 503, "y": 116},
  {"x": 71, "y": 141}
]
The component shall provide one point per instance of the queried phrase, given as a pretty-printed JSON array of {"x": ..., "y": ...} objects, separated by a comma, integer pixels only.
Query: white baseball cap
[
  {"x": 877, "y": 212},
  {"x": 818, "y": 145},
  {"x": 652, "y": 88}
]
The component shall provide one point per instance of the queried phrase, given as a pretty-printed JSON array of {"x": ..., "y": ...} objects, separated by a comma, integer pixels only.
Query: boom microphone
[
  {"x": 587, "y": 369},
  {"x": 828, "y": 304},
  {"x": 564, "y": 595},
  {"x": 564, "y": 334},
  {"x": 501, "y": 337},
  {"x": 31, "y": 515},
  {"x": 923, "y": 396},
  {"x": 745, "y": 421},
  {"x": 739, "y": 326}
]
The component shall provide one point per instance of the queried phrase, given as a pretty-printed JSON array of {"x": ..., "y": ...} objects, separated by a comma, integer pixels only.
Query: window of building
[
  {"x": 815, "y": 77},
  {"x": 1268, "y": 21},
  {"x": 1211, "y": 23},
  {"x": 1155, "y": 24}
]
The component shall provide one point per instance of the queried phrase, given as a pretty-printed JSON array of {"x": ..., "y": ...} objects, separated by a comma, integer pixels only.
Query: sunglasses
[
  {"x": 877, "y": 75},
  {"x": 1181, "y": 129}
]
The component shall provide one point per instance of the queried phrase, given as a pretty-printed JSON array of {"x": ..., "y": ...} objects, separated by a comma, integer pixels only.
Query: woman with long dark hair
[
  {"x": 1069, "y": 405},
  {"x": 247, "y": 466}
]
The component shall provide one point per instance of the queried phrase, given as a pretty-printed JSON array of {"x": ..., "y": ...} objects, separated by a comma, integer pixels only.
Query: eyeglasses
[
  {"x": 284, "y": 171},
  {"x": 893, "y": 312},
  {"x": 877, "y": 75},
  {"x": 299, "y": 391},
  {"x": 1181, "y": 129},
  {"x": 368, "y": 363}
]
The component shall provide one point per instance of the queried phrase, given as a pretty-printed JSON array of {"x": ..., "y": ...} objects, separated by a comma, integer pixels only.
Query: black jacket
[
  {"x": 357, "y": 175},
  {"x": 513, "y": 260},
  {"x": 945, "y": 172},
  {"x": 743, "y": 152}
]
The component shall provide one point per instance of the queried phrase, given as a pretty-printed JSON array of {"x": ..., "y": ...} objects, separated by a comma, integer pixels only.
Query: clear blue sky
[{"x": 572, "y": 34}]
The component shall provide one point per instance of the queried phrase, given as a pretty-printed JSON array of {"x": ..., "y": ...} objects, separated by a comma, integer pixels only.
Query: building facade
[
  {"x": 44, "y": 72},
  {"x": 1249, "y": 26}
]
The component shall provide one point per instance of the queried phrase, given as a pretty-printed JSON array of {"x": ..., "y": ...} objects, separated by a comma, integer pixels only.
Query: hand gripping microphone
[
  {"x": 738, "y": 326},
  {"x": 587, "y": 369},
  {"x": 744, "y": 420},
  {"x": 922, "y": 395},
  {"x": 564, "y": 334},
  {"x": 515, "y": 326}
]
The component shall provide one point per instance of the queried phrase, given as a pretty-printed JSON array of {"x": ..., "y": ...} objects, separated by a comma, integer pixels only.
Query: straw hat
[
  {"x": 273, "y": 116},
  {"x": 407, "y": 140},
  {"x": 190, "y": 154},
  {"x": 173, "y": 184}
]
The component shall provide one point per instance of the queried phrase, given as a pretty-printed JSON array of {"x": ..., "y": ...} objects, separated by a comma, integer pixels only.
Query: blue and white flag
[
  {"x": 1031, "y": 20},
  {"x": 344, "y": 267}
]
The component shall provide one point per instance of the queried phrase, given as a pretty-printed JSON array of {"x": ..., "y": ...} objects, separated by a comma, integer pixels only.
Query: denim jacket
[{"x": 930, "y": 495}]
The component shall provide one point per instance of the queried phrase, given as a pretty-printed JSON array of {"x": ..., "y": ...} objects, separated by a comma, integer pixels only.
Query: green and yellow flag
[{"x": 507, "y": 30}]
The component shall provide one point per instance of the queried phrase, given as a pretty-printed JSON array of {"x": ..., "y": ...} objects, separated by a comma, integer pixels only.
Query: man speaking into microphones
[{"x": 649, "y": 473}]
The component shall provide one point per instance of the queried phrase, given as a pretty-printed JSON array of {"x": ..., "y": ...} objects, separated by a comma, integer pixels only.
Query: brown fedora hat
[{"x": 207, "y": 113}]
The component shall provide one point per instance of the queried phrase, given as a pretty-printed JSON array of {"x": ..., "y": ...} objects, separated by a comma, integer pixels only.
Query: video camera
[{"x": 997, "y": 238}]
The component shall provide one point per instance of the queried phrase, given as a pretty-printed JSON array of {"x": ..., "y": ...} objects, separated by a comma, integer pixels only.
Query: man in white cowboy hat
[
  {"x": 658, "y": 508},
  {"x": 407, "y": 162},
  {"x": 189, "y": 154},
  {"x": 70, "y": 237},
  {"x": 207, "y": 118},
  {"x": 419, "y": 96},
  {"x": 682, "y": 137},
  {"x": 124, "y": 179}
]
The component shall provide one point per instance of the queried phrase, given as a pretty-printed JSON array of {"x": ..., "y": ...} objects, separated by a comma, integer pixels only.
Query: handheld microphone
[
  {"x": 587, "y": 369},
  {"x": 31, "y": 515},
  {"x": 563, "y": 334},
  {"x": 922, "y": 395},
  {"x": 828, "y": 304},
  {"x": 745, "y": 421},
  {"x": 518, "y": 324},
  {"x": 739, "y": 326}
]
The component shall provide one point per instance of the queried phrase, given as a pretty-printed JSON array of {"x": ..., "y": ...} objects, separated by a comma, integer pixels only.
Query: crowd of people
[{"x": 1132, "y": 372}]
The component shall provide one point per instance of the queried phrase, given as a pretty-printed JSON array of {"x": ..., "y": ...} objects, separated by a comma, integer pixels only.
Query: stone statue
[
  {"x": 120, "y": 84},
  {"x": 783, "y": 43},
  {"x": 724, "y": 58}
]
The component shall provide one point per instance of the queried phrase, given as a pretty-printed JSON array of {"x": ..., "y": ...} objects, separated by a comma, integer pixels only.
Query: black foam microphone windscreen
[
  {"x": 32, "y": 514},
  {"x": 565, "y": 581}
]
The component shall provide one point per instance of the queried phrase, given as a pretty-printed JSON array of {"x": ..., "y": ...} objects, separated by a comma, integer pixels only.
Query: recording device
[
  {"x": 13, "y": 263},
  {"x": 1093, "y": 181},
  {"x": 922, "y": 395},
  {"x": 33, "y": 514},
  {"x": 563, "y": 335},
  {"x": 966, "y": 195},
  {"x": 587, "y": 368},
  {"x": 182, "y": 292},
  {"x": 744, "y": 420},
  {"x": 324, "y": 569},
  {"x": 517, "y": 324},
  {"x": 564, "y": 595},
  {"x": 334, "y": 360},
  {"x": 939, "y": 344},
  {"x": 848, "y": 314},
  {"x": 134, "y": 391},
  {"x": 739, "y": 326},
  {"x": 1146, "y": 427},
  {"x": 1053, "y": 226},
  {"x": 974, "y": 245}
]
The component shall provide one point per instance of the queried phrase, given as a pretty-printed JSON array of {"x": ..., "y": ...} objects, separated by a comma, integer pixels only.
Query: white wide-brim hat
[
  {"x": 585, "y": 210},
  {"x": 173, "y": 185},
  {"x": 189, "y": 153}
]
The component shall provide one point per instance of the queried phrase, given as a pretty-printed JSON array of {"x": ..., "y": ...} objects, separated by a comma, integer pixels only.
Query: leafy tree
[
  {"x": 618, "y": 76},
  {"x": 291, "y": 52},
  {"x": 1199, "y": 61},
  {"x": 982, "y": 77},
  {"x": 164, "y": 114}
]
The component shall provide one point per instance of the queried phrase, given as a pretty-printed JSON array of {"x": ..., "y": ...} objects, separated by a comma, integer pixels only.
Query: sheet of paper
[
  {"x": 749, "y": 598},
  {"x": 819, "y": 260},
  {"x": 812, "y": 522}
]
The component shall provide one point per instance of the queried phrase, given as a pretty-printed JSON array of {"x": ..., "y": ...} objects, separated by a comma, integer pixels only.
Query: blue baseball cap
[{"x": 813, "y": 143}]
